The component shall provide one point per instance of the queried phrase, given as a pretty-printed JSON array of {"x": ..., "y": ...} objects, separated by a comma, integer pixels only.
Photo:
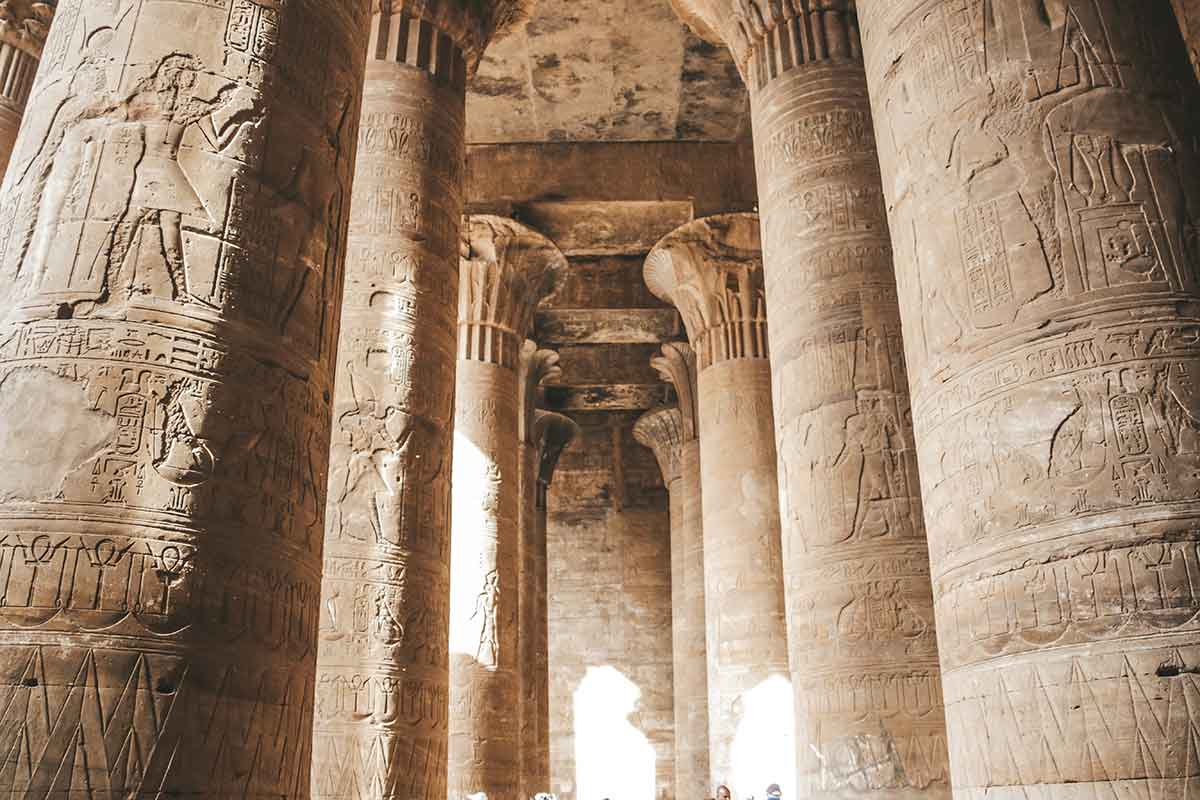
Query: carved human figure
[
  {"x": 383, "y": 685},
  {"x": 165, "y": 460},
  {"x": 848, "y": 477},
  {"x": 711, "y": 271},
  {"x": 1040, "y": 170},
  {"x": 506, "y": 270}
]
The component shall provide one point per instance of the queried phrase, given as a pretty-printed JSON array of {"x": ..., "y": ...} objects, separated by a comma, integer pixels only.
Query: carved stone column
[
  {"x": 537, "y": 366},
  {"x": 173, "y": 236},
  {"x": 850, "y": 493},
  {"x": 382, "y": 688},
  {"x": 23, "y": 28},
  {"x": 671, "y": 434},
  {"x": 552, "y": 433},
  {"x": 1188, "y": 14},
  {"x": 1040, "y": 169},
  {"x": 711, "y": 271},
  {"x": 506, "y": 271}
]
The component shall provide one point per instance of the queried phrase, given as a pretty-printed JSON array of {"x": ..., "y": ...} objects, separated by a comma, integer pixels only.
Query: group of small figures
[{"x": 773, "y": 793}]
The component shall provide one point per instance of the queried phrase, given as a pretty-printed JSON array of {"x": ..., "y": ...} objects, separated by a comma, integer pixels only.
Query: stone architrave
[
  {"x": 671, "y": 434},
  {"x": 552, "y": 434},
  {"x": 24, "y": 25},
  {"x": 1188, "y": 14},
  {"x": 171, "y": 250},
  {"x": 856, "y": 562},
  {"x": 1040, "y": 168},
  {"x": 537, "y": 366},
  {"x": 382, "y": 684},
  {"x": 505, "y": 271},
  {"x": 711, "y": 271}
]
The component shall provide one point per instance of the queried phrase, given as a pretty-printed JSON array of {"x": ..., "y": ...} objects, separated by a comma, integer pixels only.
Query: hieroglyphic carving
[
  {"x": 506, "y": 270},
  {"x": 382, "y": 688},
  {"x": 173, "y": 237},
  {"x": 1041, "y": 177},
  {"x": 711, "y": 271}
]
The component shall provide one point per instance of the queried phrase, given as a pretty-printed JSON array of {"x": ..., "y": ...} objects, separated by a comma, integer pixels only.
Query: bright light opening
[
  {"x": 613, "y": 759},
  {"x": 764, "y": 747}
]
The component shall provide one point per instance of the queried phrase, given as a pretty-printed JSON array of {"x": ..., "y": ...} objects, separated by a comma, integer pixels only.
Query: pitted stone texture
[
  {"x": 1040, "y": 168},
  {"x": 505, "y": 270},
  {"x": 24, "y": 25},
  {"x": 711, "y": 271},
  {"x": 173, "y": 240},
  {"x": 386, "y": 587},
  {"x": 537, "y": 366},
  {"x": 849, "y": 488},
  {"x": 1188, "y": 12}
]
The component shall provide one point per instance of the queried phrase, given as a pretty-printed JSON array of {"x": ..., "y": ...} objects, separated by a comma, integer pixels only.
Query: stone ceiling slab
[{"x": 605, "y": 70}]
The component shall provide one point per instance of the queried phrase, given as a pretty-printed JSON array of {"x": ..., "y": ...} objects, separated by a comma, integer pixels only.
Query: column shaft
[
  {"x": 744, "y": 608},
  {"x": 850, "y": 497},
  {"x": 1188, "y": 14},
  {"x": 172, "y": 247},
  {"x": 692, "y": 778},
  {"x": 23, "y": 28},
  {"x": 529, "y": 608},
  {"x": 1040, "y": 167},
  {"x": 484, "y": 664},
  {"x": 382, "y": 683}
]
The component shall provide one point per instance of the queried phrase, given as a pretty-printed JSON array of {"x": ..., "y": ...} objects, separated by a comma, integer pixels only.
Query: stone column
[
  {"x": 506, "y": 271},
  {"x": 711, "y": 271},
  {"x": 860, "y": 601},
  {"x": 23, "y": 28},
  {"x": 382, "y": 684},
  {"x": 671, "y": 434},
  {"x": 551, "y": 435},
  {"x": 537, "y": 366},
  {"x": 173, "y": 237},
  {"x": 1188, "y": 14},
  {"x": 1040, "y": 169}
]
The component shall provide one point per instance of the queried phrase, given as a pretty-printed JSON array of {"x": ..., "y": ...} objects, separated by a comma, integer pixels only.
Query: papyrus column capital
[
  {"x": 711, "y": 271},
  {"x": 769, "y": 37},
  {"x": 537, "y": 366},
  {"x": 25, "y": 23},
  {"x": 506, "y": 270},
  {"x": 552, "y": 434},
  {"x": 418, "y": 32},
  {"x": 677, "y": 366},
  {"x": 663, "y": 431}
]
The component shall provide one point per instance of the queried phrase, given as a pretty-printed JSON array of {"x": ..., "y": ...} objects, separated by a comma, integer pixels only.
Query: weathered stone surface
[
  {"x": 610, "y": 588},
  {"x": 609, "y": 228},
  {"x": 382, "y": 683},
  {"x": 537, "y": 367},
  {"x": 1040, "y": 169},
  {"x": 505, "y": 270},
  {"x": 604, "y": 70},
  {"x": 716, "y": 176},
  {"x": 711, "y": 271},
  {"x": 552, "y": 434},
  {"x": 672, "y": 434},
  {"x": 608, "y": 326},
  {"x": 174, "y": 228},
  {"x": 848, "y": 475},
  {"x": 23, "y": 28},
  {"x": 1188, "y": 13}
]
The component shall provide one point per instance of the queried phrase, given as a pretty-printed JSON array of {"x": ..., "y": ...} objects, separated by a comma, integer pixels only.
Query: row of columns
[
  {"x": 175, "y": 220},
  {"x": 995, "y": 205}
]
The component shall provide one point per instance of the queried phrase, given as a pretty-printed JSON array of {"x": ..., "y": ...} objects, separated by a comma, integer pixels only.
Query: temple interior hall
[{"x": 600, "y": 399}]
